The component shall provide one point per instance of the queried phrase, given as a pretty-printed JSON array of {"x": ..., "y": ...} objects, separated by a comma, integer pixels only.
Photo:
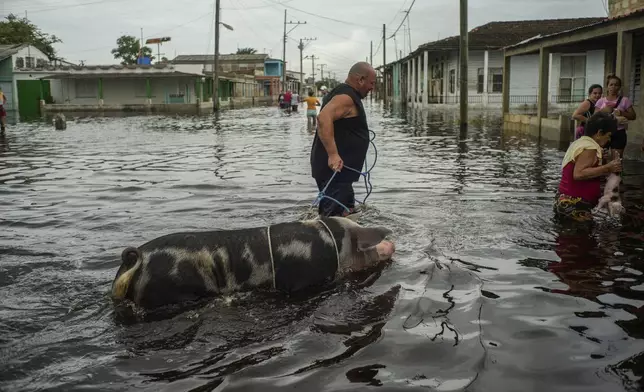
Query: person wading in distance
[{"x": 342, "y": 138}]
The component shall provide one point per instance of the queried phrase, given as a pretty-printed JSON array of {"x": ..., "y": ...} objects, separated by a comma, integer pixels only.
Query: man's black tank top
[{"x": 351, "y": 138}]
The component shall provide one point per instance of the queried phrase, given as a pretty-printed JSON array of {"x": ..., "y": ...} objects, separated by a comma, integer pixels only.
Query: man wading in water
[{"x": 342, "y": 138}]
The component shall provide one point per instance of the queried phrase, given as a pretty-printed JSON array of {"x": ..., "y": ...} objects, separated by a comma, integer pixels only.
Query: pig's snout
[{"x": 385, "y": 250}]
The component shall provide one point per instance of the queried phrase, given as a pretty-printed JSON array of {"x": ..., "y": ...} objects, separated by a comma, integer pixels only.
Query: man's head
[
  {"x": 362, "y": 77},
  {"x": 600, "y": 126}
]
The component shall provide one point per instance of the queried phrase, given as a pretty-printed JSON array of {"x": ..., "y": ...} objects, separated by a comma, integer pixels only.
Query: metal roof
[
  {"x": 497, "y": 35},
  {"x": 113, "y": 70},
  {"x": 598, "y": 23},
  {"x": 9, "y": 50},
  {"x": 210, "y": 58}
]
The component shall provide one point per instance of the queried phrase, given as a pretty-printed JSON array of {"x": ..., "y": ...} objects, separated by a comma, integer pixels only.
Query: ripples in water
[{"x": 486, "y": 292}]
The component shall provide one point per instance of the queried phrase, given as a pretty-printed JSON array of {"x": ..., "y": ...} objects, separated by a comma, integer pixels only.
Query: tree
[
  {"x": 15, "y": 31},
  {"x": 127, "y": 49},
  {"x": 246, "y": 51}
]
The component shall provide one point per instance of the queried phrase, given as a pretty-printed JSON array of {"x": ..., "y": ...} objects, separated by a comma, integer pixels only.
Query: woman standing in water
[
  {"x": 581, "y": 170},
  {"x": 621, "y": 107},
  {"x": 587, "y": 108},
  {"x": 311, "y": 111}
]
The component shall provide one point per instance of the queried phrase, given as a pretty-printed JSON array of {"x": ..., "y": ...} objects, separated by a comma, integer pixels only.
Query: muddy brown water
[{"x": 486, "y": 291}]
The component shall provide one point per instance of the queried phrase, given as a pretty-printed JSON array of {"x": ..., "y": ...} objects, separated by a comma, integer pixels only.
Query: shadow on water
[{"x": 486, "y": 292}]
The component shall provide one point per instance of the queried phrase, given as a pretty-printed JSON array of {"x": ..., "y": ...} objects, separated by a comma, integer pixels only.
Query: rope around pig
[{"x": 367, "y": 179}]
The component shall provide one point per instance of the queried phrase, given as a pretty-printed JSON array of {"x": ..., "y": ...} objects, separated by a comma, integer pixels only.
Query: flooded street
[{"x": 486, "y": 292}]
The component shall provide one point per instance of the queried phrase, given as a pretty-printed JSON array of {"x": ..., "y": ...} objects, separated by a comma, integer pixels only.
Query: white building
[
  {"x": 430, "y": 74},
  {"x": 21, "y": 67},
  {"x": 158, "y": 87}
]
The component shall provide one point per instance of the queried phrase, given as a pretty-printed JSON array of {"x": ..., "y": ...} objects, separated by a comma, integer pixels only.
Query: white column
[
  {"x": 486, "y": 67},
  {"x": 419, "y": 82},
  {"x": 426, "y": 78},
  {"x": 413, "y": 79},
  {"x": 408, "y": 94}
]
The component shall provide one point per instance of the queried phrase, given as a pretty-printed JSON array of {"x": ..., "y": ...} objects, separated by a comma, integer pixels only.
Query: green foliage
[
  {"x": 127, "y": 49},
  {"x": 246, "y": 51},
  {"x": 15, "y": 31}
]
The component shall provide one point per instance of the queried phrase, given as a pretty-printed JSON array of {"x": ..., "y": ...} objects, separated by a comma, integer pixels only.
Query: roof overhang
[
  {"x": 586, "y": 33},
  {"x": 115, "y": 75}
]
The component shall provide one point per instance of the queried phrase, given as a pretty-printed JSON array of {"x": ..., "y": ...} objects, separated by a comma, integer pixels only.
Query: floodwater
[{"x": 486, "y": 292}]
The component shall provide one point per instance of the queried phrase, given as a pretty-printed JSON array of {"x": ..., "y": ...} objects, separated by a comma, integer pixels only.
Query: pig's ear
[{"x": 369, "y": 237}]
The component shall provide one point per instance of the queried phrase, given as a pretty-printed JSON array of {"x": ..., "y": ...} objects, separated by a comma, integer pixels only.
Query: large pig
[
  {"x": 288, "y": 257},
  {"x": 611, "y": 199}
]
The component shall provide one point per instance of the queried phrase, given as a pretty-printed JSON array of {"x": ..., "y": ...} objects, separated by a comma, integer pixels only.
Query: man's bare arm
[{"x": 339, "y": 107}]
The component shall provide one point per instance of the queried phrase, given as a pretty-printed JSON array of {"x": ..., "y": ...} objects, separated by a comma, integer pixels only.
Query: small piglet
[{"x": 611, "y": 200}]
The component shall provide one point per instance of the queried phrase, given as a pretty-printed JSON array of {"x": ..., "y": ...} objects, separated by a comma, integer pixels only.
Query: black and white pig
[{"x": 288, "y": 257}]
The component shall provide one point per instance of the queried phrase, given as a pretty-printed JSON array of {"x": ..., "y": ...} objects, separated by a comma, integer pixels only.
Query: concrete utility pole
[
  {"x": 384, "y": 64},
  {"x": 464, "y": 48},
  {"x": 301, "y": 48},
  {"x": 215, "y": 65},
  {"x": 371, "y": 63},
  {"x": 312, "y": 57},
  {"x": 284, "y": 48},
  {"x": 322, "y": 71}
]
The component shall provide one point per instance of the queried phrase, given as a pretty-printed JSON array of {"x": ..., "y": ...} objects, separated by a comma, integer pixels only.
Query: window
[
  {"x": 480, "y": 80},
  {"x": 86, "y": 88},
  {"x": 495, "y": 80},
  {"x": 572, "y": 81},
  {"x": 452, "y": 81},
  {"x": 637, "y": 80},
  {"x": 30, "y": 62}
]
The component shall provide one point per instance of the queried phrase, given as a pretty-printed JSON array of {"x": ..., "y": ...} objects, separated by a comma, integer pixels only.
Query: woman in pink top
[
  {"x": 581, "y": 169},
  {"x": 621, "y": 107}
]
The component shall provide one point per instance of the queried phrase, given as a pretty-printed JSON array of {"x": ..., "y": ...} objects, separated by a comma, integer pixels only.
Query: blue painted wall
[{"x": 272, "y": 68}]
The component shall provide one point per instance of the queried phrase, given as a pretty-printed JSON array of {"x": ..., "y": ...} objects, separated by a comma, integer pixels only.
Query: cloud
[{"x": 344, "y": 29}]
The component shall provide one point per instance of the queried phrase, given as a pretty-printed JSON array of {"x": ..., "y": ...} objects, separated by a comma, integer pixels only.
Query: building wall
[
  {"x": 30, "y": 51},
  {"x": 123, "y": 91},
  {"x": 191, "y": 68},
  {"x": 621, "y": 7},
  {"x": 524, "y": 75}
]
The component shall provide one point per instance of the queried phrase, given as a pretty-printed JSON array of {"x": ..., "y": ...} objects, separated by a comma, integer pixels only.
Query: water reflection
[{"x": 486, "y": 292}]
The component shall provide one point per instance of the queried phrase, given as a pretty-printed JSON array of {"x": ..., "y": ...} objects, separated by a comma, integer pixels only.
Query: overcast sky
[{"x": 343, "y": 28}]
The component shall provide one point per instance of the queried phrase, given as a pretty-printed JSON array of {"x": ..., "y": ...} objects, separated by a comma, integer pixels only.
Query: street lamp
[{"x": 229, "y": 27}]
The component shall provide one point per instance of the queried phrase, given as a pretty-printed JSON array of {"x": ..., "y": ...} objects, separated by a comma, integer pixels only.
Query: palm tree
[{"x": 246, "y": 51}]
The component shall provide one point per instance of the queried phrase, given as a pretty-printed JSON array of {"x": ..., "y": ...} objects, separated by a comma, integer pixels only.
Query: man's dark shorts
[
  {"x": 340, "y": 191},
  {"x": 618, "y": 140}
]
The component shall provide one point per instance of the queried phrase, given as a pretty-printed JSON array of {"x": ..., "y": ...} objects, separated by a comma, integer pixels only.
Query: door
[{"x": 29, "y": 96}]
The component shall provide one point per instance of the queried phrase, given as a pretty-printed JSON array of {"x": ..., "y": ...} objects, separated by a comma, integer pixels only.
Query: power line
[
  {"x": 397, "y": 13},
  {"x": 261, "y": 6},
  {"x": 322, "y": 16},
  {"x": 403, "y": 21},
  {"x": 61, "y": 7}
]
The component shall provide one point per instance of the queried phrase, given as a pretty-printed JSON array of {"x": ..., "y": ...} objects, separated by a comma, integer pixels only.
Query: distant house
[
  {"x": 138, "y": 88},
  {"x": 267, "y": 72},
  {"x": 21, "y": 67},
  {"x": 430, "y": 74}
]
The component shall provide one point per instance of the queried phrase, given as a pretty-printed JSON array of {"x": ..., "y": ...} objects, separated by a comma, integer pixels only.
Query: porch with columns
[{"x": 623, "y": 41}]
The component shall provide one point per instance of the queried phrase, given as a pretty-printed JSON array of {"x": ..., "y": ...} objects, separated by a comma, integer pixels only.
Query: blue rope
[{"x": 366, "y": 175}]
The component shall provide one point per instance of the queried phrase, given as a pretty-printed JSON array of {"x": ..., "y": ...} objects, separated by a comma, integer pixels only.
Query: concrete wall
[
  {"x": 558, "y": 131},
  {"x": 190, "y": 68},
  {"x": 127, "y": 91}
]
